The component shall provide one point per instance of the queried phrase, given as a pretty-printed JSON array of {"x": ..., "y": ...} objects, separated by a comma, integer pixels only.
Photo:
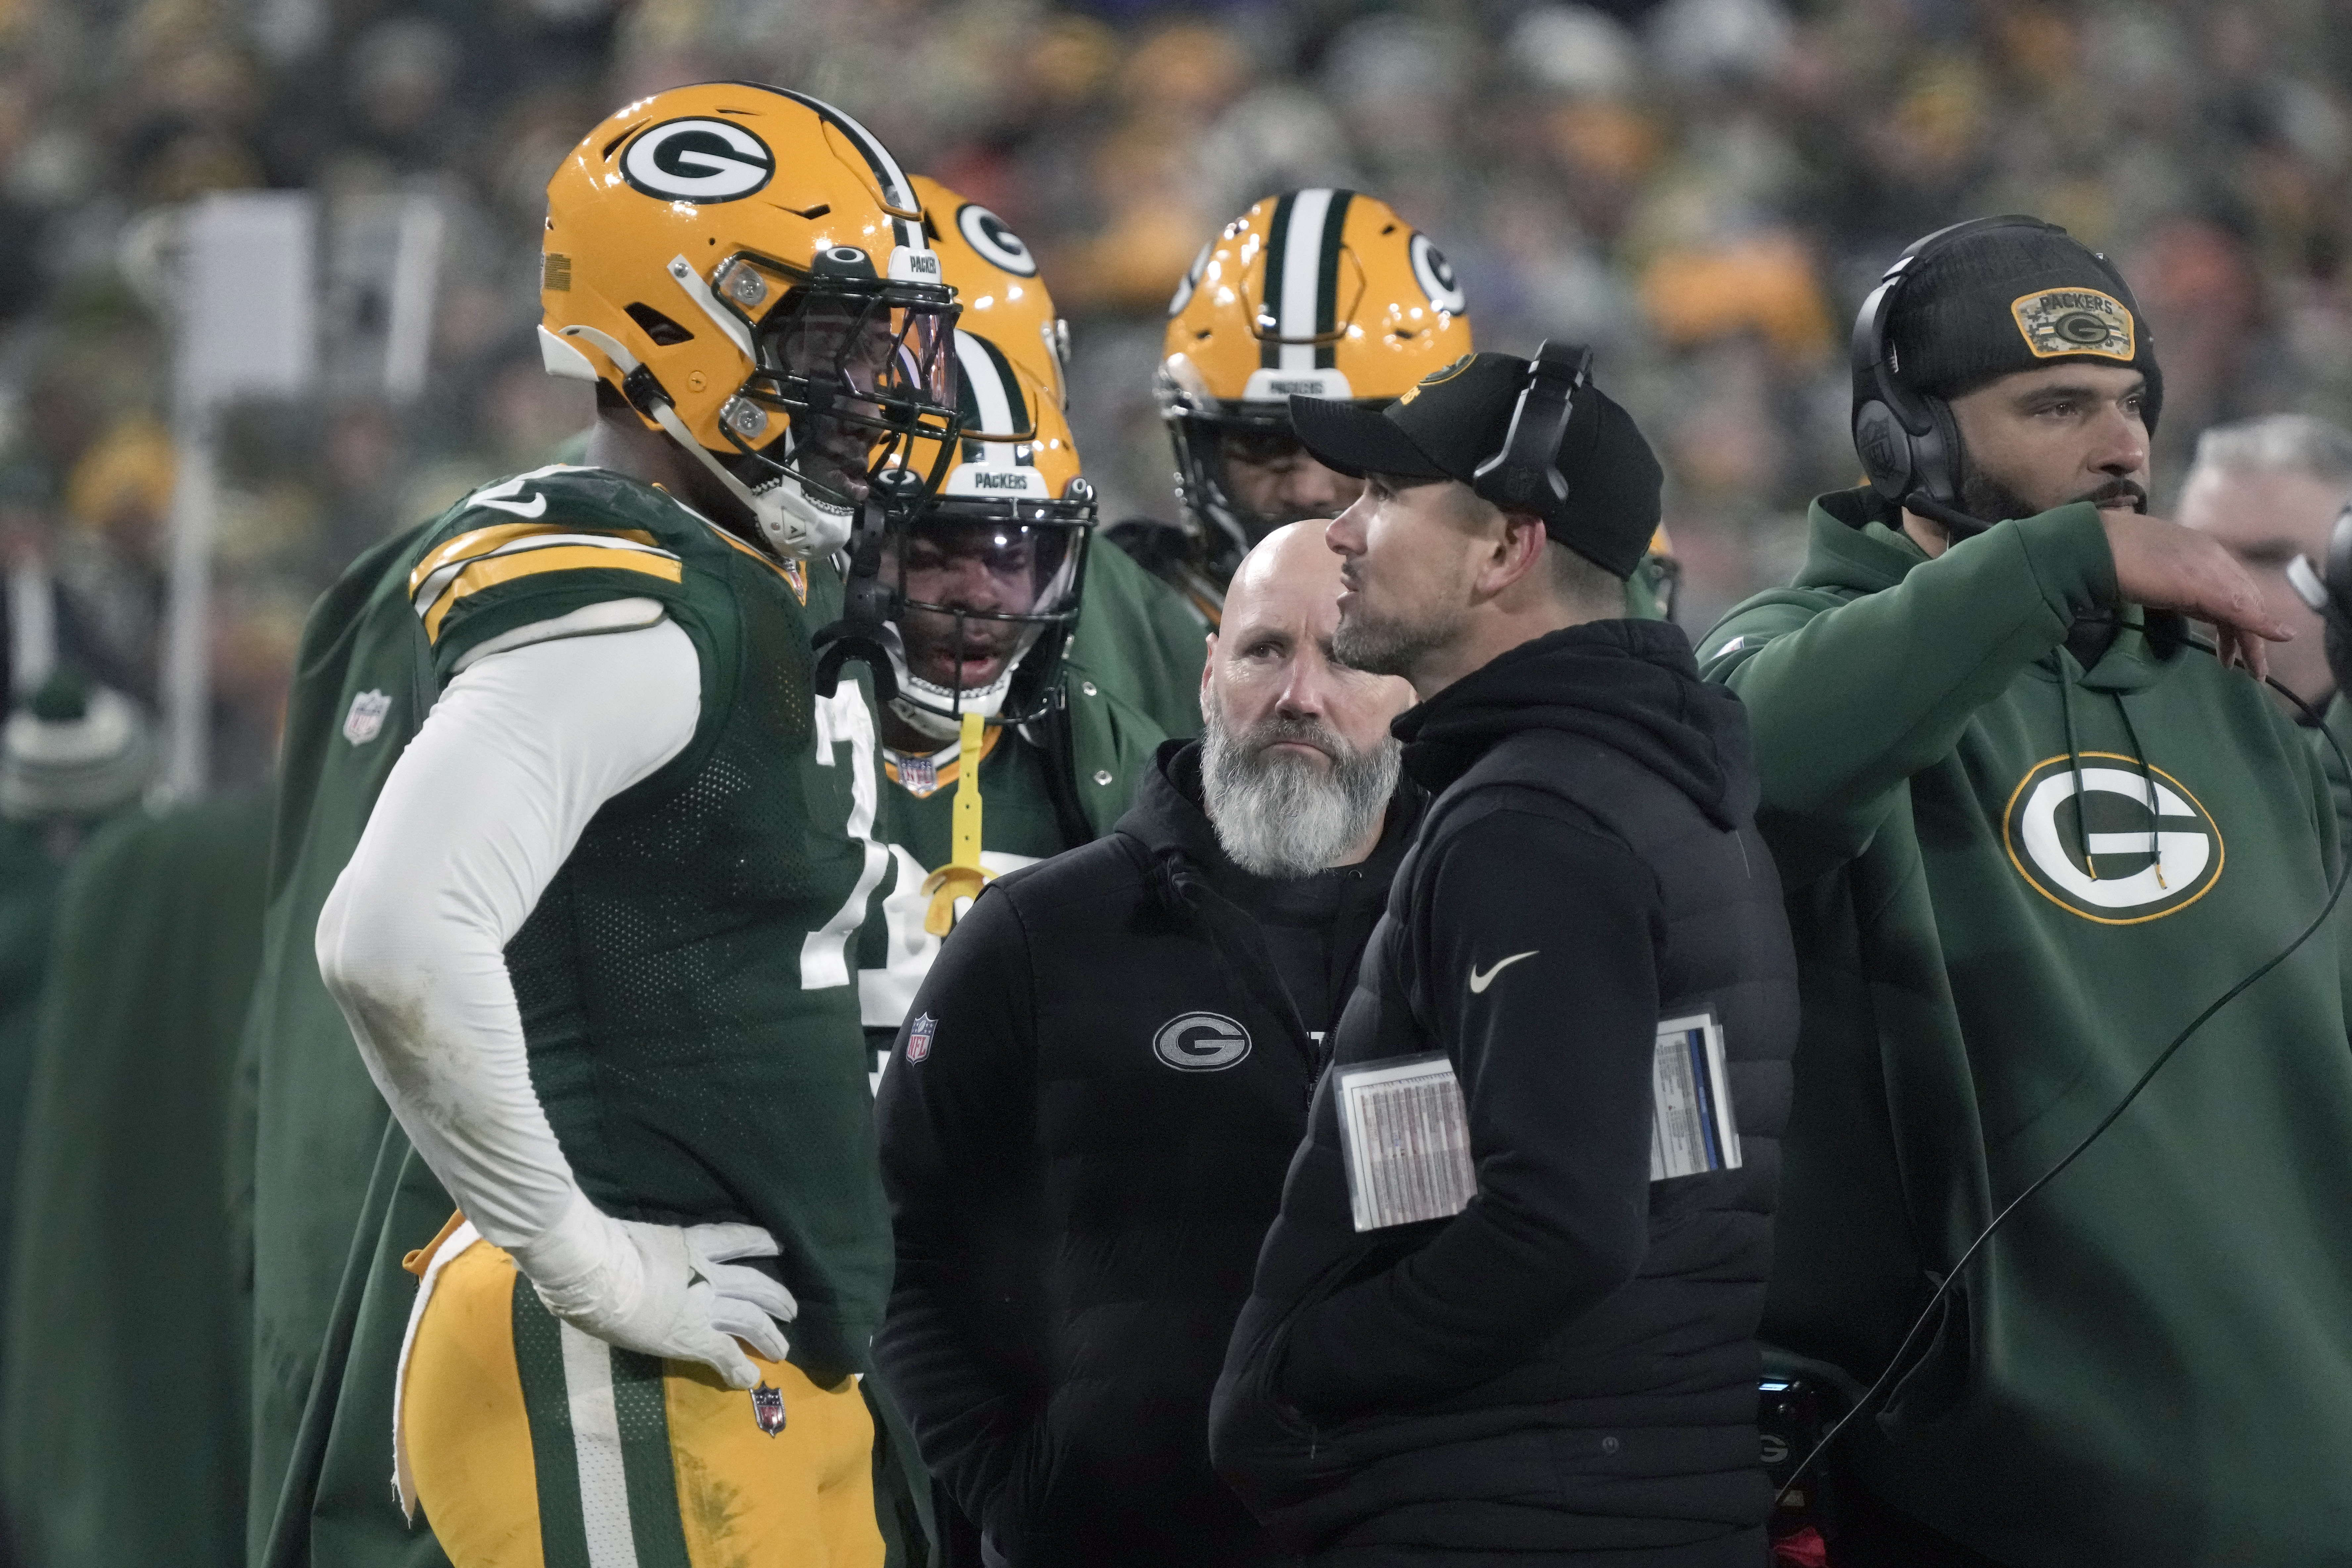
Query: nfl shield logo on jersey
[
  {"x": 768, "y": 1408},
  {"x": 918, "y": 1037},
  {"x": 364, "y": 723}
]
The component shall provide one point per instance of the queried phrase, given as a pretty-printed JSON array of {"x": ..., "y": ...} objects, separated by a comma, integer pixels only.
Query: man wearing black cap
[
  {"x": 1508, "y": 1310},
  {"x": 2030, "y": 827}
]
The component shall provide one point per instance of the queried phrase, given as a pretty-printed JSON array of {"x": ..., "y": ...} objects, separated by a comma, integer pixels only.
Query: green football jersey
[
  {"x": 1018, "y": 822},
  {"x": 1104, "y": 747},
  {"x": 685, "y": 983},
  {"x": 362, "y": 680}
]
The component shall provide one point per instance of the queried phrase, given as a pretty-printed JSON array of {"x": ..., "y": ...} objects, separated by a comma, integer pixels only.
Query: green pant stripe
[
  {"x": 539, "y": 1357},
  {"x": 644, "y": 1454}
]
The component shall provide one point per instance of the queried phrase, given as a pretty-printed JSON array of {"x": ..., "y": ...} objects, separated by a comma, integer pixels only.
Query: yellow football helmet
[
  {"x": 1322, "y": 292},
  {"x": 746, "y": 267},
  {"x": 996, "y": 283},
  {"x": 985, "y": 581}
]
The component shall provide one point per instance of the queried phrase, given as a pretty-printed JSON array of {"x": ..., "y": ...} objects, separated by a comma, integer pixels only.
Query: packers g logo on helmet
[
  {"x": 1191, "y": 278},
  {"x": 996, "y": 278},
  {"x": 745, "y": 268},
  {"x": 988, "y": 235},
  {"x": 698, "y": 160},
  {"x": 1435, "y": 276}
]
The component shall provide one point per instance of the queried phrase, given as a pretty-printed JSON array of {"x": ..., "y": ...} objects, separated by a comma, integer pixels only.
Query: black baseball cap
[{"x": 1456, "y": 418}]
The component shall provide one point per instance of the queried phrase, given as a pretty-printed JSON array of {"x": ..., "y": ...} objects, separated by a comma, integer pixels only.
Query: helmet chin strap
[
  {"x": 795, "y": 527},
  {"x": 864, "y": 634}
]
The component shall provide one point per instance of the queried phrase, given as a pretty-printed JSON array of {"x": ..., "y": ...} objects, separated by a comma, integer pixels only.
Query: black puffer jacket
[
  {"x": 1084, "y": 1126},
  {"x": 1569, "y": 1365}
]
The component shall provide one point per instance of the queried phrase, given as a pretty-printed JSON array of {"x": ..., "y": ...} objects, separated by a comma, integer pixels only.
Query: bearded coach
[
  {"x": 1507, "y": 1314},
  {"x": 1087, "y": 1116},
  {"x": 2032, "y": 826}
]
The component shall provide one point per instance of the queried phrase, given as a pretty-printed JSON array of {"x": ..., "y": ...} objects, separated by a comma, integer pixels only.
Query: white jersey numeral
[{"x": 844, "y": 717}]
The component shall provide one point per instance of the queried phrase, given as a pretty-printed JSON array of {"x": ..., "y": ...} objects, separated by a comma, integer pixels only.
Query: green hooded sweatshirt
[
  {"x": 2152, "y": 1361},
  {"x": 1142, "y": 639}
]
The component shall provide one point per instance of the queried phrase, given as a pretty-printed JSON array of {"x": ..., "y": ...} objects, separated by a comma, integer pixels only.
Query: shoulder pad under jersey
[{"x": 546, "y": 544}]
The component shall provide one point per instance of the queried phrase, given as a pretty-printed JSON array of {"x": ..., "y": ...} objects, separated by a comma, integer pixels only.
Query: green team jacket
[
  {"x": 2152, "y": 1362},
  {"x": 1141, "y": 639},
  {"x": 32, "y": 865},
  {"x": 122, "y": 1423}
]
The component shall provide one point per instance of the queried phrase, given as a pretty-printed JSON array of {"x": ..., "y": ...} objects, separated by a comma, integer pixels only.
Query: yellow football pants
[{"x": 534, "y": 1446}]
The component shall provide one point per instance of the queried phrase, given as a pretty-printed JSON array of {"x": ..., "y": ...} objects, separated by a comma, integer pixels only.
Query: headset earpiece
[
  {"x": 1525, "y": 475},
  {"x": 1936, "y": 456},
  {"x": 1884, "y": 447},
  {"x": 1909, "y": 444}
]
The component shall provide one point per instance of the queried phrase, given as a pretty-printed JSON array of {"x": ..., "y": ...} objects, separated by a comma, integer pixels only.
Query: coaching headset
[
  {"x": 1524, "y": 476},
  {"x": 1911, "y": 449},
  {"x": 1909, "y": 445}
]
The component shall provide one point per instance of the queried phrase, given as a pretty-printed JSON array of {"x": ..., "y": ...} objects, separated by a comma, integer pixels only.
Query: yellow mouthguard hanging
[{"x": 962, "y": 877}]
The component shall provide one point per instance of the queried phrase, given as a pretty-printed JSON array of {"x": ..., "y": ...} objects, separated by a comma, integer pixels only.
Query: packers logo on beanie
[
  {"x": 2019, "y": 294},
  {"x": 2060, "y": 323}
]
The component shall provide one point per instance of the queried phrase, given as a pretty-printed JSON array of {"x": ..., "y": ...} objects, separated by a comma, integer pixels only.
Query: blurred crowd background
[{"x": 1704, "y": 189}]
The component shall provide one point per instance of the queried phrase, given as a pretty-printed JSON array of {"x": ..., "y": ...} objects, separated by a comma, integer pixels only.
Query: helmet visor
[
  {"x": 1246, "y": 474},
  {"x": 862, "y": 374},
  {"x": 976, "y": 586}
]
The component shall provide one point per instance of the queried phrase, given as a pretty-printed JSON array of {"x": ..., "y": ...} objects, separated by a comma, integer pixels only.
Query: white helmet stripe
[
  {"x": 1302, "y": 267},
  {"x": 997, "y": 405},
  {"x": 896, "y": 190}
]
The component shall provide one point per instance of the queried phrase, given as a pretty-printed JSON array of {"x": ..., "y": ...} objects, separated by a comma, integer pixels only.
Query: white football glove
[{"x": 663, "y": 1290}]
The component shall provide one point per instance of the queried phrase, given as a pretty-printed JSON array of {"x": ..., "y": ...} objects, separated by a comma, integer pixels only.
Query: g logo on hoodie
[
  {"x": 1200, "y": 1042},
  {"x": 2148, "y": 862}
]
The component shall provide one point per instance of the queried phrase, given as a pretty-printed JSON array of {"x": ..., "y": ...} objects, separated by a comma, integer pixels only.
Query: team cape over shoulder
[
  {"x": 123, "y": 1427},
  {"x": 363, "y": 681}
]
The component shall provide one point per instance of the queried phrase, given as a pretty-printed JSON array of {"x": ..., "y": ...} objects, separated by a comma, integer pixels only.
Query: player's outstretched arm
[{"x": 473, "y": 822}]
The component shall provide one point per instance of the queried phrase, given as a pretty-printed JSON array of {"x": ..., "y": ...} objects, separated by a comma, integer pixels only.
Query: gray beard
[{"x": 1281, "y": 817}]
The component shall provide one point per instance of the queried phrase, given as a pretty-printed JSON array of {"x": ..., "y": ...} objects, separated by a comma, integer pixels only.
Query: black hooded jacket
[
  {"x": 1568, "y": 1366},
  {"x": 1085, "y": 1125}
]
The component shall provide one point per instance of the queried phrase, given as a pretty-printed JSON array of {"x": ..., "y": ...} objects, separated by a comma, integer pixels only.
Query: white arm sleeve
[{"x": 478, "y": 814}]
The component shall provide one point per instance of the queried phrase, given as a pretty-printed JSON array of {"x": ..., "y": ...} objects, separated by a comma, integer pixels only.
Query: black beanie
[{"x": 2006, "y": 299}]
